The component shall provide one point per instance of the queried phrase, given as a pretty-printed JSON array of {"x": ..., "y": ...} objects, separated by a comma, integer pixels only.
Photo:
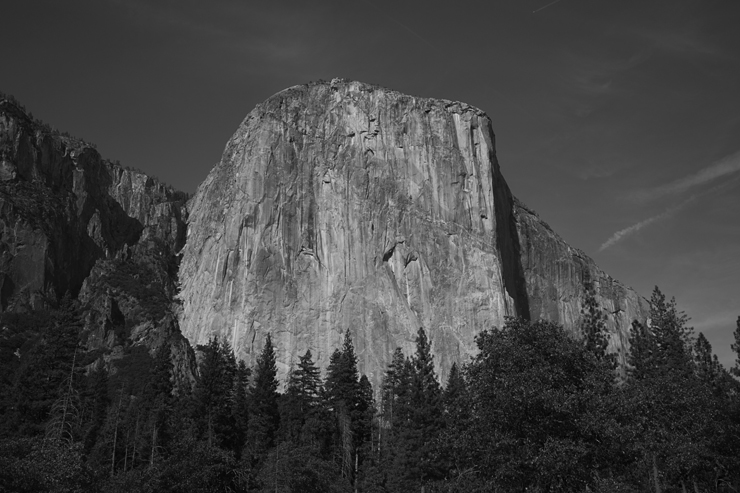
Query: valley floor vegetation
[{"x": 535, "y": 410}]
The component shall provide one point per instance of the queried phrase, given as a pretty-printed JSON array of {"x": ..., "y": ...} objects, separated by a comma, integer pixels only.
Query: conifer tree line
[{"x": 535, "y": 409}]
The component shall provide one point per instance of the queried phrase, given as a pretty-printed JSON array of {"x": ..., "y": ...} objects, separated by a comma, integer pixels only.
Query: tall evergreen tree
[
  {"x": 212, "y": 395},
  {"x": 395, "y": 390},
  {"x": 426, "y": 390},
  {"x": 674, "y": 389},
  {"x": 306, "y": 379},
  {"x": 415, "y": 461},
  {"x": 299, "y": 404},
  {"x": 342, "y": 379},
  {"x": 47, "y": 369},
  {"x": 365, "y": 410},
  {"x": 453, "y": 445},
  {"x": 708, "y": 368},
  {"x": 454, "y": 397},
  {"x": 240, "y": 410},
  {"x": 664, "y": 345},
  {"x": 643, "y": 351},
  {"x": 736, "y": 348},
  {"x": 158, "y": 399},
  {"x": 264, "y": 417},
  {"x": 593, "y": 321},
  {"x": 343, "y": 395},
  {"x": 673, "y": 336}
]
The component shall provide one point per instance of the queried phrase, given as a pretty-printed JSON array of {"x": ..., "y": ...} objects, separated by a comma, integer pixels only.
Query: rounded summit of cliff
[{"x": 342, "y": 86}]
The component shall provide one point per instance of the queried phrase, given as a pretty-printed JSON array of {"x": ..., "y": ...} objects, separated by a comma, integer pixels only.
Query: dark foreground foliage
[{"x": 535, "y": 410}]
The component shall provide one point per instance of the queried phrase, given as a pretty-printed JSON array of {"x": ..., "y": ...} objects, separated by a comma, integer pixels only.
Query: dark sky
[{"x": 617, "y": 120}]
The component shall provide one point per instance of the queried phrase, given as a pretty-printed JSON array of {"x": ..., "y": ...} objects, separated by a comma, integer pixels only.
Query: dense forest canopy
[{"x": 534, "y": 410}]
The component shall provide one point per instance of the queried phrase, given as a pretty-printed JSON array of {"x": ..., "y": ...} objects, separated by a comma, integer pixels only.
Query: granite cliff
[
  {"x": 346, "y": 206},
  {"x": 73, "y": 222},
  {"x": 554, "y": 275},
  {"x": 336, "y": 206}
]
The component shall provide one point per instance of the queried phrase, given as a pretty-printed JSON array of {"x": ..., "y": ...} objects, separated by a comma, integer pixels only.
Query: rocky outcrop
[
  {"x": 62, "y": 207},
  {"x": 128, "y": 302},
  {"x": 345, "y": 206},
  {"x": 69, "y": 218},
  {"x": 554, "y": 275}
]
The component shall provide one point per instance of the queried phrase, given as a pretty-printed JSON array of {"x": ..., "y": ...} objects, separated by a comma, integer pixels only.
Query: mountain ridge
[
  {"x": 421, "y": 174},
  {"x": 69, "y": 220}
]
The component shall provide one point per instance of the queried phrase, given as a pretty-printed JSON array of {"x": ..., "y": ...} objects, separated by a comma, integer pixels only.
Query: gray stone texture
[{"x": 345, "y": 206}]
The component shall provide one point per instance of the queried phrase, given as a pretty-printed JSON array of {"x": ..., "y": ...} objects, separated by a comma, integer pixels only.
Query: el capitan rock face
[{"x": 348, "y": 206}]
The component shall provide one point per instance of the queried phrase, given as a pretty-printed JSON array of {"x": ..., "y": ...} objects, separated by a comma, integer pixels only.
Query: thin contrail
[
  {"x": 551, "y": 3},
  {"x": 729, "y": 165},
  {"x": 629, "y": 231},
  {"x": 622, "y": 233},
  {"x": 424, "y": 40}
]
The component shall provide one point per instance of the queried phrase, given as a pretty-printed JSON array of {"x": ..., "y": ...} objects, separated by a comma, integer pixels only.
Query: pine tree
[
  {"x": 672, "y": 336},
  {"x": 426, "y": 391},
  {"x": 395, "y": 388},
  {"x": 298, "y": 405},
  {"x": 158, "y": 397},
  {"x": 707, "y": 366},
  {"x": 414, "y": 462},
  {"x": 240, "y": 410},
  {"x": 365, "y": 411},
  {"x": 453, "y": 444},
  {"x": 593, "y": 321},
  {"x": 47, "y": 369},
  {"x": 212, "y": 395},
  {"x": 643, "y": 350},
  {"x": 264, "y": 417},
  {"x": 454, "y": 397},
  {"x": 665, "y": 345},
  {"x": 342, "y": 380},
  {"x": 736, "y": 348},
  {"x": 675, "y": 389},
  {"x": 291, "y": 417},
  {"x": 160, "y": 375},
  {"x": 306, "y": 379},
  {"x": 343, "y": 393}
]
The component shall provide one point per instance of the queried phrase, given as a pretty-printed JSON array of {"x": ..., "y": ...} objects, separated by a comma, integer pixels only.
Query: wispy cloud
[
  {"x": 596, "y": 72},
  {"x": 725, "y": 166},
  {"x": 629, "y": 231},
  {"x": 591, "y": 172},
  {"x": 591, "y": 77},
  {"x": 624, "y": 233}
]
